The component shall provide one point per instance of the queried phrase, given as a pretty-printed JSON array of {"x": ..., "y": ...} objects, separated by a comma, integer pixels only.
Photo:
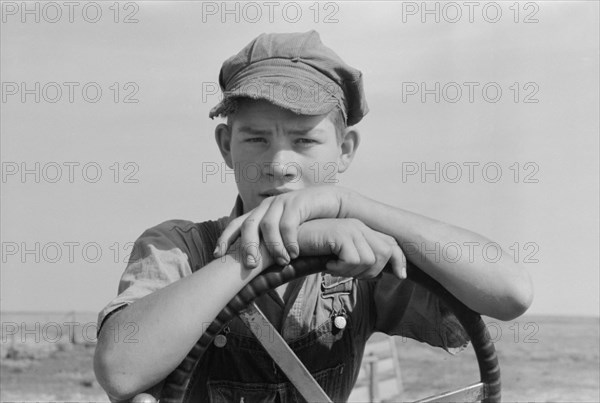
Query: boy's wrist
[{"x": 350, "y": 202}]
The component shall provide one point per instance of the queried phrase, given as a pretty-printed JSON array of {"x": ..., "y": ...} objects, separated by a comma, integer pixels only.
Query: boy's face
[{"x": 273, "y": 150}]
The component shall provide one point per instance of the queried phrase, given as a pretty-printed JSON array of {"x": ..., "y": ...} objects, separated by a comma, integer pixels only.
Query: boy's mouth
[{"x": 275, "y": 192}]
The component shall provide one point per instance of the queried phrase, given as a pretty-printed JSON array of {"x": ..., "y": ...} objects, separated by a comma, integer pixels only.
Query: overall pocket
[
  {"x": 240, "y": 392},
  {"x": 243, "y": 392}
]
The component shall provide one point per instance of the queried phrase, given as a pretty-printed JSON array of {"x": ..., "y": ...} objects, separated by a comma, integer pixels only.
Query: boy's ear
[
  {"x": 348, "y": 148},
  {"x": 223, "y": 138}
]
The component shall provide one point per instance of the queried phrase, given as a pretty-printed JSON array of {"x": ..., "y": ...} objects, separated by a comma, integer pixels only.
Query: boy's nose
[{"x": 282, "y": 166}]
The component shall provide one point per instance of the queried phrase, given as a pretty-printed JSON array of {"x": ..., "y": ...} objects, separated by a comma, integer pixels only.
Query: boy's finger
[
  {"x": 229, "y": 235},
  {"x": 269, "y": 228},
  {"x": 349, "y": 258},
  {"x": 398, "y": 262},
  {"x": 378, "y": 247},
  {"x": 250, "y": 234},
  {"x": 367, "y": 258},
  {"x": 288, "y": 228}
]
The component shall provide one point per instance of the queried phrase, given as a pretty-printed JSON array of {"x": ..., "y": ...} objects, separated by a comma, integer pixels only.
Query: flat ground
[{"x": 543, "y": 359}]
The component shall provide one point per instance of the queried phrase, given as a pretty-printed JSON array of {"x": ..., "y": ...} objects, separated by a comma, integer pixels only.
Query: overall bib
[{"x": 238, "y": 369}]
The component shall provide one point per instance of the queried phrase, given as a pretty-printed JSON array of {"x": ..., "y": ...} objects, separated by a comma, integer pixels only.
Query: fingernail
[
  {"x": 282, "y": 261},
  {"x": 217, "y": 251},
  {"x": 293, "y": 251},
  {"x": 250, "y": 260}
]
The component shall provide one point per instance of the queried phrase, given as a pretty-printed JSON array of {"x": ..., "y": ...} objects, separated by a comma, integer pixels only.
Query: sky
[{"x": 487, "y": 119}]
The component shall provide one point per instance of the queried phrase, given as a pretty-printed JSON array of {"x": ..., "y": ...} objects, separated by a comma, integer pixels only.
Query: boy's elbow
[
  {"x": 514, "y": 308},
  {"x": 518, "y": 300},
  {"x": 523, "y": 301},
  {"x": 118, "y": 386}
]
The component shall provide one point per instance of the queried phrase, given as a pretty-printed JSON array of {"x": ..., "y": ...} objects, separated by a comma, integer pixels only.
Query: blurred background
[{"x": 483, "y": 115}]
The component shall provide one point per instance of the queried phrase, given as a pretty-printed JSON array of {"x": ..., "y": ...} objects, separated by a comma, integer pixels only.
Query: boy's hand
[
  {"x": 277, "y": 219},
  {"x": 362, "y": 252}
]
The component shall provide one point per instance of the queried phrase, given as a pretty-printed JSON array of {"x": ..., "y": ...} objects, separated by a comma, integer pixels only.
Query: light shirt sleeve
[{"x": 160, "y": 256}]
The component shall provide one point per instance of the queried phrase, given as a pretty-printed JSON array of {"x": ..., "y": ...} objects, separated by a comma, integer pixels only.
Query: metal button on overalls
[
  {"x": 339, "y": 322},
  {"x": 220, "y": 341}
]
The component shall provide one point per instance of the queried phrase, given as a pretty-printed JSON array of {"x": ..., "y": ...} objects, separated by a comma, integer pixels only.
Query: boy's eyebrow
[
  {"x": 303, "y": 132},
  {"x": 296, "y": 132},
  {"x": 250, "y": 130}
]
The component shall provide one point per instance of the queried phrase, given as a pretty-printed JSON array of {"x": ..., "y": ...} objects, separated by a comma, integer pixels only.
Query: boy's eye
[
  {"x": 305, "y": 141},
  {"x": 255, "y": 140}
]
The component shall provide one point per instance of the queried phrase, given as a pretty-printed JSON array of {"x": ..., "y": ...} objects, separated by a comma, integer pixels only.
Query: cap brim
[{"x": 299, "y": 93}]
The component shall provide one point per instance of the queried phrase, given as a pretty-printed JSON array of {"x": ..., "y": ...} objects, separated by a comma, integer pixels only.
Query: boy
[{"x": 289, "y": 102}]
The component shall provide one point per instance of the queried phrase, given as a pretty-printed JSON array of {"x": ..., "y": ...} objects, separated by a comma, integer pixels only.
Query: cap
[{"x": 294, "y": 71}]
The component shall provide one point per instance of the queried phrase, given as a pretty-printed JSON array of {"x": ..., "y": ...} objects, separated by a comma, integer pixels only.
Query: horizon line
[{"x": 586, "y": 316}]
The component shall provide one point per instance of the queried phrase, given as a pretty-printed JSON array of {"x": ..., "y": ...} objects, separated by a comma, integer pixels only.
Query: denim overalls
[{"x": 242, "y": 371}]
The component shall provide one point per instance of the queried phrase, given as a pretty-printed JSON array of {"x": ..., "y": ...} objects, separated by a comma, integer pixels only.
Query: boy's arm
[
  {"x": 168, "y": 323},
  {"x": 501, "y": 289},
  {"x": 498, "y": 288},
  {"x": 170, "y": 320}
]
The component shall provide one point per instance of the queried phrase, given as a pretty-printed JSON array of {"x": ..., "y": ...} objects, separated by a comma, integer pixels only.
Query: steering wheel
[{"x": 175, "y": 388}]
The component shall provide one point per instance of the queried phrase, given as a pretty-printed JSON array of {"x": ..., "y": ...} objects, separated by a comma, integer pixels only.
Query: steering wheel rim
[{"x": 175, "y": 387}]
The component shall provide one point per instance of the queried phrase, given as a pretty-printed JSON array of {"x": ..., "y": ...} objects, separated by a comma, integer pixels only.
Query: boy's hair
[{"x": 336, "y": 116}]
